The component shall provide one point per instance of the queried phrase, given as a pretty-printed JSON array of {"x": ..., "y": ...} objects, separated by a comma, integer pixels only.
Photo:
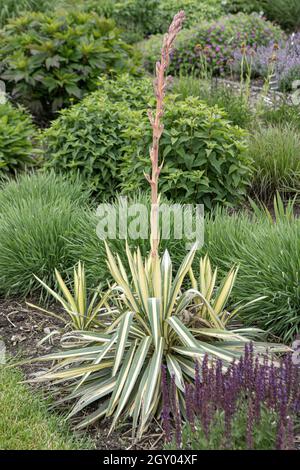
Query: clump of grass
[
  {"x": 275, "y": 151},
  {"x": 37, "y": 213},
  {"x": 281, "y": 115},
  {"x": 26, "y": 424},
  {"x": 268, "y": 255}
]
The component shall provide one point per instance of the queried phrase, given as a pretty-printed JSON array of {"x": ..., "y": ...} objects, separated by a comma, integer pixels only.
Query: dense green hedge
[
  {"x": 51, "y": 61},
  {"x": 107, "y": 136},
  {"x": 17, "y": 134}
]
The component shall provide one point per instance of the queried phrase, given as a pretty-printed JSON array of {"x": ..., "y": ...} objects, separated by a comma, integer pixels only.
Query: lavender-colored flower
[{"x": 253, "y": 383}]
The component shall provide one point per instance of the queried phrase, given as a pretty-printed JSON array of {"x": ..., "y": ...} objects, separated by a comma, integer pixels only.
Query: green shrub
[
  {"x": 235, "y": 106},
  {"x": 103, "y": 134},
  {"x": 50, "y": 61},
  {"x": 245, "y": 6},
  {"x": 285, "y": 13},
  {"x": 88, "y": 139},
  {"x": 204, "y": 155},
  {"x": 275, "y": 151},
  {"x": 135, "y": 18},
  {"x": 17, "y": 133},
  {"x": 213, "y": 43},
  {"x": 37, "y": 213}
]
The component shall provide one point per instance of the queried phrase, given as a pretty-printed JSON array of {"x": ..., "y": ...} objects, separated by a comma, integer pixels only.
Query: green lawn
[{"x": 25, "y": 422}]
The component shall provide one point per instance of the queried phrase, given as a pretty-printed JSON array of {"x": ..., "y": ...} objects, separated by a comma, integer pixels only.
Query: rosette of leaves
[
  {"x": 49, "y": 61},
  {"x": 118, "y": 369}
]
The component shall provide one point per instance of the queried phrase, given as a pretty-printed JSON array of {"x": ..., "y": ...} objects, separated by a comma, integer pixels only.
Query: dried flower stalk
[{"x": 160, "y": 85}]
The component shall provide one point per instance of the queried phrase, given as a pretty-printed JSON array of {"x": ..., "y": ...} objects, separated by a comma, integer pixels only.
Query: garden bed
[{"x": 168, "y": 347}]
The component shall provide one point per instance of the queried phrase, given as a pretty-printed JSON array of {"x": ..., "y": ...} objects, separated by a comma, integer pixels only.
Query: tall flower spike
[{"x": 160, "y": 85}]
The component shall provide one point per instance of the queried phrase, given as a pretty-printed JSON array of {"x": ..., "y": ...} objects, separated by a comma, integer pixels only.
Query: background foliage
[
  {"x": 49, "y": 61},
  {"x": 212, "y": 44},
  {"x": 204, "y": 154}
]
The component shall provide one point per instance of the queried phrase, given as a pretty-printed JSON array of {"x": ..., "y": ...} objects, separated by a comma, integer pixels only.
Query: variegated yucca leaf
[
  {"x": 82, "y": 313},
  {"x": 118, "y": 368}
]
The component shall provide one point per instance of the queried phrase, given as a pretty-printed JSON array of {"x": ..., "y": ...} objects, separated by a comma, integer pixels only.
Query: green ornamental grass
[
  {"x": 37, "y": 214},
  {"x": 275, "y": 151}
]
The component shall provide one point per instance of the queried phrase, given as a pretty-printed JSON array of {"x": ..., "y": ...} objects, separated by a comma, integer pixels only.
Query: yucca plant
[
  {"x": 118, "y": 369},
  {"x": 122, "y": 364},
  {"x": 82, "y": 312}
]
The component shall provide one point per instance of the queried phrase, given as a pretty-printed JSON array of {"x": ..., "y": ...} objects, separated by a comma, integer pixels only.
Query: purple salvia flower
[{"x": 190, "y": 405}]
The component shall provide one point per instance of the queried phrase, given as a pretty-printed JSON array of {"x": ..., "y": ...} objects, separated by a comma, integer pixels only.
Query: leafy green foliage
[
  {"x": 37, "y": 213},
  {"x": 26, "y": 424},
  {"x": 275, "y": 151},
  {"x": 213, "y": 43},
  {"x": 245, "y": 6},
  {"x": 107, "y": 136},
  {"x": 204, "y": 155},
  {"x": 11, "y": 8},
  {"x": 88, "y": 139},
  {"x": 17, "y": 134},
  {"x": 50, "y": 61},
  {"x": 284, "y": 13}
]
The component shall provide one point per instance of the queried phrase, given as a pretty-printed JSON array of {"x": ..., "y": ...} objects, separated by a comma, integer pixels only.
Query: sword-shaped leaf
[
  {"x": 183, "y": 333},
  {"x": 123, "y": 331},
  {"x": 132, "y": 377},
  {"x": 154, "y": 371},
  {"x": 155, "y": 319},
  {"x": 176, "y": 286},
  {"x": 175, "y": 369},
  {"x": 123, "y": 374}
]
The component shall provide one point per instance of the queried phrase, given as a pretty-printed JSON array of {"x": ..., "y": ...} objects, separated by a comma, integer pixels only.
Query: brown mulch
[{"x": 22, "y": 328}]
